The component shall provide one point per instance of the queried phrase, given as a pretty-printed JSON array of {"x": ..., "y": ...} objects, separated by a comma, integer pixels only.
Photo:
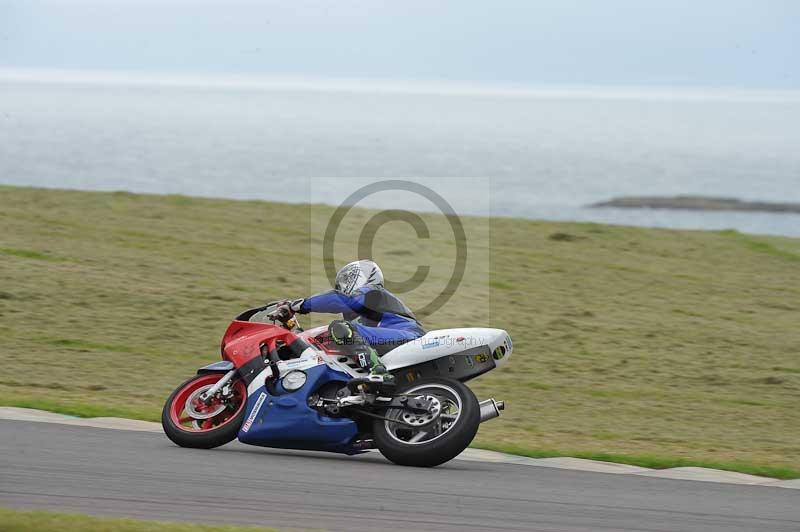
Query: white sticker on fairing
[
  {"x": 258, "y": 381},
  {"x": 252, "y": 417}
]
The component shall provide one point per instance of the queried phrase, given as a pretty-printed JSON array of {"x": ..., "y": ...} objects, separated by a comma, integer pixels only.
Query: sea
[{"x": 530, "y": 152}]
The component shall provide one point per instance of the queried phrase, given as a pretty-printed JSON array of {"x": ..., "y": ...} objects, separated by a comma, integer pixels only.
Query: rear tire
[
  {"x": 441, "y": 448},
  {"x": 228, "y": 423}
]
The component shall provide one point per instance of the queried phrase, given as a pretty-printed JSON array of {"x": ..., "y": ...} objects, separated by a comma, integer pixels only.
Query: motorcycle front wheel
[
  {"x": 428, "y": 440},
  {"x": 190, "y": 422}
]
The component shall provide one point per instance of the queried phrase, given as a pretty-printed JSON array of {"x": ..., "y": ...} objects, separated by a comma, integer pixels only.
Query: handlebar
[{"x": 290, "y": 324}]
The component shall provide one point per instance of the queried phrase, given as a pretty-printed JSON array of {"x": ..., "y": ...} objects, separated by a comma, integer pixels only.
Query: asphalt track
[{"x": 143, "y": 475}]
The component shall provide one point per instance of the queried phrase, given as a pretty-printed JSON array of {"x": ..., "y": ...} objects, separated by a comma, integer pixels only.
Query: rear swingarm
[{"x": 384, "y": 418}]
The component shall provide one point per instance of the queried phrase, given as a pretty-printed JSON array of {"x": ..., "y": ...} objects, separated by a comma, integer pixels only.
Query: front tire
[
  {"x": 438, "y": 443},
  {"x": 190, "y": 423}
]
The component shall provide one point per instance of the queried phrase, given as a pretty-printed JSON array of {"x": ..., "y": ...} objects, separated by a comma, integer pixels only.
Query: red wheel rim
[{"x": 182, "y": 419}]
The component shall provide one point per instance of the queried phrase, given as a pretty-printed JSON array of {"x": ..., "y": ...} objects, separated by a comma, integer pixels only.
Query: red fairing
[{"x": 243, "y": 340}]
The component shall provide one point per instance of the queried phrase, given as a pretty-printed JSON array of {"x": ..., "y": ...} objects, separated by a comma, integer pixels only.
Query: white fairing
[
  {"x": 432, "y": 346},
  {"x": 445, "y": 342}
]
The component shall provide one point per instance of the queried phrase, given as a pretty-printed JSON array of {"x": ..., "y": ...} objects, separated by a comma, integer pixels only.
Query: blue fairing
[{"x": 286, "y": 421}]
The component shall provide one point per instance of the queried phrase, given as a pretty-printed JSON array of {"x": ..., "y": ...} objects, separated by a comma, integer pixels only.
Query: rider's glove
[
  {"x": 296, "y": 305},
  {"x": 282, "y": 313},
  {"x": 286, "y": 310}
]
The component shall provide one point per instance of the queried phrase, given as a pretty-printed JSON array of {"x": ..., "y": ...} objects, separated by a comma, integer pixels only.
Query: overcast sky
[{"x": 735, "y": 43}]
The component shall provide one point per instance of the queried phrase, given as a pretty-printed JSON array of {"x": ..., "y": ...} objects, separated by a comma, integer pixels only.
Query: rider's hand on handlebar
[{"x": 283, "y": 313}]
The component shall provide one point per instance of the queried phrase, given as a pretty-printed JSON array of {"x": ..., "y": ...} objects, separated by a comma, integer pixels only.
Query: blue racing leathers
[{"x": 375, "y": 313}]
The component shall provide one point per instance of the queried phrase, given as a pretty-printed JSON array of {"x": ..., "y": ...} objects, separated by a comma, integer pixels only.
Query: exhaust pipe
[{"x": 490, "y": 409}]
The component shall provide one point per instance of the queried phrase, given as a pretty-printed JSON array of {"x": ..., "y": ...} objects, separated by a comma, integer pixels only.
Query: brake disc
[
  {"x": 196, "y": 414},
  {"x": 416, "y": 420}
]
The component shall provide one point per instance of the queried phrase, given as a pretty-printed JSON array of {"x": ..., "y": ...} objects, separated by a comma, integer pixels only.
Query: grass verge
[{"x": 42, "y": 521}]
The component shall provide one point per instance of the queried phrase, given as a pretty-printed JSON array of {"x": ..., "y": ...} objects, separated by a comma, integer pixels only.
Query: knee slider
[{"x": 341, "y": 331}]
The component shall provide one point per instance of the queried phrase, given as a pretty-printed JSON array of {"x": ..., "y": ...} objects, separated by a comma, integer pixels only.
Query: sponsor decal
[
  {"x": 436, "y": 342},
  {"x": 482, "y": 357},
  {"x": 252, "y": 417},
  {"x": 303, "y": 362},
  {"x": 508, "y": 341},
  {"x": 362, "y": 360}
]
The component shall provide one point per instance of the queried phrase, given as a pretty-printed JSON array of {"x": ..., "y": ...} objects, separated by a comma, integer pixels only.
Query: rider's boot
[{"x": 344, "y": 334}]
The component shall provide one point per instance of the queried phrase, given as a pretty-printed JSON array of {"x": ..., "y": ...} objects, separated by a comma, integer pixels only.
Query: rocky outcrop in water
[{"x": 697, "y": 203}]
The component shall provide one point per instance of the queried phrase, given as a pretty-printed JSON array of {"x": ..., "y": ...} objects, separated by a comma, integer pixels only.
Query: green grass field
[
  {"x": 26, "y": 521},
  {"x": 646, "y": 346}
]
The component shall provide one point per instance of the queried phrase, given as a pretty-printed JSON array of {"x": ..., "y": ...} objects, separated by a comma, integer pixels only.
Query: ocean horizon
[{"x": 544, "y": 152}]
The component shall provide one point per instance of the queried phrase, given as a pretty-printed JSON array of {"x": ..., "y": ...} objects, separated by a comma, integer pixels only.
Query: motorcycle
[{"x": 284, "y": 387}]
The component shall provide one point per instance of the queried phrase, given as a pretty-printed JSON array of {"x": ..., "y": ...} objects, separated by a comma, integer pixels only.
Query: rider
[{"x": 374, "y": 318}]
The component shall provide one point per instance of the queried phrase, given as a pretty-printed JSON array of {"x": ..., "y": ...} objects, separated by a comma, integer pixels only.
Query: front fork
[{"x": 211, "y": 392}]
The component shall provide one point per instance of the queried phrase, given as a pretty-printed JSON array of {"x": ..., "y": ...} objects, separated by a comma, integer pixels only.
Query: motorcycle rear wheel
[
  {"x": 437, "y": 442},
  {"x": 189, "y": 422}
]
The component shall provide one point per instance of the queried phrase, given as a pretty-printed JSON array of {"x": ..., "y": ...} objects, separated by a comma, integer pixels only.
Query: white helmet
[{"x": 357, "y": 274}]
